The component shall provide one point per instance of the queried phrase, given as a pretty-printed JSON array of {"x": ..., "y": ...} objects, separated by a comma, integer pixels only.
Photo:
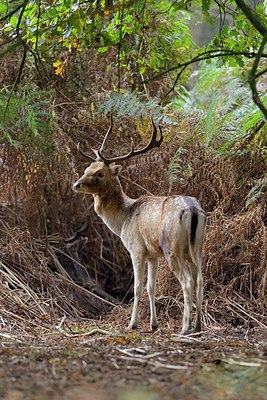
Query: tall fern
[
  {"x": 224, "y": 101},
  {"x": 176, "y": 166},
  {"x": 135, "y": 106}
]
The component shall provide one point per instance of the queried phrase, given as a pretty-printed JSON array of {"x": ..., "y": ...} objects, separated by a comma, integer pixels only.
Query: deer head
[{"x": 100, "y": 175}]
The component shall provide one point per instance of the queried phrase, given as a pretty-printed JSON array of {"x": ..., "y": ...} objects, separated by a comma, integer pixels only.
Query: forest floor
[{"x": 82, "y": 360}]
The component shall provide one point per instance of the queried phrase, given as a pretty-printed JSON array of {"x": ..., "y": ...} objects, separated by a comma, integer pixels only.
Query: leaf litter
[{"x": 102, "y": 361}]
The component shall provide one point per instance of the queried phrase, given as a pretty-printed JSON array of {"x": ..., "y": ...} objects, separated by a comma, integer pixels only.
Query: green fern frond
[
  {"x": 257, "y": 191},
  {"x": 27, "y": 120},
  {"x": 223, "y": 100},
  {"x": 135, "y": 106},
  {"x": 176, "y": 166}
]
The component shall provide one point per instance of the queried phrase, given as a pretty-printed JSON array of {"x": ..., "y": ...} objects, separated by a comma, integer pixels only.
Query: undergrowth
[
  {"x": 212, "y": 150},
  {"x": 26, "y": 118},
  {"x": 229, "y": 116}
]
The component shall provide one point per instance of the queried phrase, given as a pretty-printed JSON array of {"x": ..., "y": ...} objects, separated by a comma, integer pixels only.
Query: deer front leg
[
  {"x": 139, "y": 269},
  {"x": 151, "y": 290}
]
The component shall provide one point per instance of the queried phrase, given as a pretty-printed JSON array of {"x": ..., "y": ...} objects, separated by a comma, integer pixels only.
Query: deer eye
[{"x": 100, "y": 174}]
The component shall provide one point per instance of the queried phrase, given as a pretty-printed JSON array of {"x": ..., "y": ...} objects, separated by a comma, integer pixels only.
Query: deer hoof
[
  {"x": 154, "y": 327},
  {"x": 132, "y": 327}
]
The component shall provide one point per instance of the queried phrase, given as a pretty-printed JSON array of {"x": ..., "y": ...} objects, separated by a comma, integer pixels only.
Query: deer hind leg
[
  {"x": 139, "y": 269},
  {"x": 187, "y": 283},
  {"x": 182, "y": 271},
  {"x": 151, "y": 289},
  {"x": 199, "y": 300},
  {"x": 198, "y": 283}
]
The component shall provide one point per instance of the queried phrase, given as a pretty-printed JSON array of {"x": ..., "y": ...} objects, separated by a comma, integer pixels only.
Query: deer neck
[{"x": 112, "y": 206}]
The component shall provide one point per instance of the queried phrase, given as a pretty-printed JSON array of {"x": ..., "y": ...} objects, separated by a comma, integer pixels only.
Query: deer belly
[{"x": 143, "y": 239}]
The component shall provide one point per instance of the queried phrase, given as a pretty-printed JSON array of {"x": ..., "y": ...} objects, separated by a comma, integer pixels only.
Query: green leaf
[
  {"x": 142, "y": 70},
  {"x": 103, "y": 49},
  {"x": 3, "y": 8},
  {"x": 14, "y": 21}
]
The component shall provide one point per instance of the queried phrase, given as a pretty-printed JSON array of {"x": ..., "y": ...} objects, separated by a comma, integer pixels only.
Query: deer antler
[
  {"x": 84, "y": 154},
  {"x": 96, "y": 152},
  {"x": 154, "y": 142}
]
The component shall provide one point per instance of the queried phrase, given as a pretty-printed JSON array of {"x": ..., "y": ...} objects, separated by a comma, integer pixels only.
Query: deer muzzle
[{"x": 77, "y": 185}]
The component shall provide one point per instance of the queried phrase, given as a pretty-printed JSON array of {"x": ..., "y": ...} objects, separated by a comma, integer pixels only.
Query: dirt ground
[{"x": 83, "y": 360}]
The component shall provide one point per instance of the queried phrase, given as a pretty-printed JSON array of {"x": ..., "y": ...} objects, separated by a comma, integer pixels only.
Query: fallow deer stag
[{"x": 150, "y": 227}]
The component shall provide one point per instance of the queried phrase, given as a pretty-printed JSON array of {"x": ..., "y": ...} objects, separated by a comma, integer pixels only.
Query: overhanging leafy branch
[
  {"x": 207, "y": 55},
  {"x": 146, "y": 40},
  {"x": 252, "y": 16},
  {"x": 255, "y": 19}
]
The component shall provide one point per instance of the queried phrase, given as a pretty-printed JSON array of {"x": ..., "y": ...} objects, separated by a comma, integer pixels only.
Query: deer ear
[{"x": 115, "y": 169}]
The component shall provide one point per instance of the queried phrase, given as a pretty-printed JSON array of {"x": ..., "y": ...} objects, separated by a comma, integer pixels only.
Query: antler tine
[
  {"x": 154, "y": 142},
  {"x": 101, "y": 147},
  {"x": 83, "y": 153},
  {"x": 97, "y": 152}
]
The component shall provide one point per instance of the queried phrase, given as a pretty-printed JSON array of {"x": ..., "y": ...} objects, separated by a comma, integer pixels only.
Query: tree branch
[
  {"x": 206, "y": 55},
  {"x": 14, "y": 11},
  {"x": 121, "y": 17},
  {"x": 252, "y": 78},
  {"x": 221, "y": 53},
  {"x": 252, "y": 16},
  {"x": 261, "y": 73}
]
